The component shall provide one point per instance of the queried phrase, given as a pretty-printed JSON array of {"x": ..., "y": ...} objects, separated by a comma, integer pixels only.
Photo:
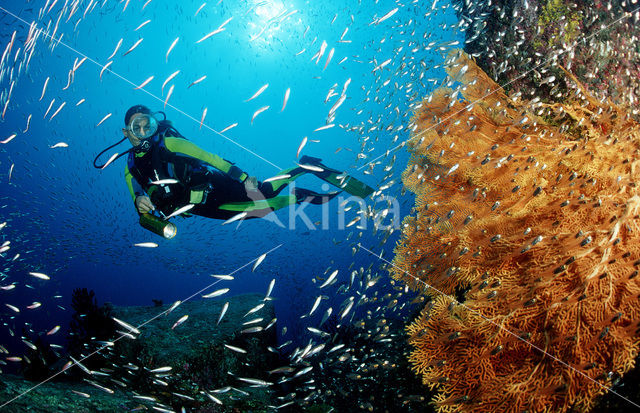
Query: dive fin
[
  {"x": 347, "y": 183},
  {"x": 306, "y": 195}
]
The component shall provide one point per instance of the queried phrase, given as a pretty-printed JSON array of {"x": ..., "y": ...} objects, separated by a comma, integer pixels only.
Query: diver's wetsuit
[{"x": 214, "y": 185}]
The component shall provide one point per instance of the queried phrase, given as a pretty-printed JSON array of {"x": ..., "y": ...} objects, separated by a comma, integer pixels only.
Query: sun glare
[
  {"x": 267, "y": 10},
  {"x": 267, "y": 17}
]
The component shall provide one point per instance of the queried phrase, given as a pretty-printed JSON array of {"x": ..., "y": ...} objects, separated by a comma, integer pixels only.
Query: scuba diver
[{"x": 169, "y": 174}]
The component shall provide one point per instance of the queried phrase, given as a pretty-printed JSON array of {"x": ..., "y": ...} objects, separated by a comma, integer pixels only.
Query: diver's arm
[
  {"x": 141, "y": 200},
  {"x": 134, "y": 187},
  {"x": 183, "y": 146}
]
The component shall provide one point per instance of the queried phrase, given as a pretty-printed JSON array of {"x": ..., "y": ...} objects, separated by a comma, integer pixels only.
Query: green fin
[
  {"x": 343, "y": 181},
  {"x": 348, "y": 184}
]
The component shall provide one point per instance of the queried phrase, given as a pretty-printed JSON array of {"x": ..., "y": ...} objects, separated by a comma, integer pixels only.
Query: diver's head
[{"x": 140, "y": 127}]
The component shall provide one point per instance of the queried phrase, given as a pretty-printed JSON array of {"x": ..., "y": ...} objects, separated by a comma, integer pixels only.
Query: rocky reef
[
  {"x": 521, "y": 44},
  {"x": 197, "y": 364}
]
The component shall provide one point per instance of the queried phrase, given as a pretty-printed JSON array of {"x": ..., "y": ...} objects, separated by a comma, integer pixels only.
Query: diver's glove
[
  {"x": 251, "y": 184},
  {"x": 143, "y": 204}
]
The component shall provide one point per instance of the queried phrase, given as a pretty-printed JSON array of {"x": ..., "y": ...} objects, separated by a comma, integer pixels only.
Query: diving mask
[{"x": 143, "y": 127}]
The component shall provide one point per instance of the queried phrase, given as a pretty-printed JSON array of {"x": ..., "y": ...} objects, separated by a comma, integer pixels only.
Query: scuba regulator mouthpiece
[{"x": 144, "y": 146}]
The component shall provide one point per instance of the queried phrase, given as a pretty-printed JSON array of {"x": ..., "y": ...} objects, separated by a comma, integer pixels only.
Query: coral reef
[
  {"x": 62, "y": 397},
  {"x": 40, "y": 362},
  {"x": 90, "y": 323},
  {"x": 520, "y": 43},
  {"x": 196, "y": 352},
  {"x": 530, "y": 212}
]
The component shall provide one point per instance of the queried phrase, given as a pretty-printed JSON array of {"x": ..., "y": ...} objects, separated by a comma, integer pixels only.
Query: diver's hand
[
  {"x": 251, "y": 184},
  {"x": 143, "y": 204}
]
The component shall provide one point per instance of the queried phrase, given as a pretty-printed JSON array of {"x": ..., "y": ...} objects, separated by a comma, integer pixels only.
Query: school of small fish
[{"x": 347, "y": 333}]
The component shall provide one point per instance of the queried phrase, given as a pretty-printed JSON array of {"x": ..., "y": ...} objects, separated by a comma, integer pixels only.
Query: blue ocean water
[{"x": 78, "y": 225}]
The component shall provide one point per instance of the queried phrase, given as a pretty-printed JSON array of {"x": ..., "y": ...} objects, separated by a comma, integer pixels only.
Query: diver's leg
[
  {"x": 221, "y": 189},
  {"x": 258, "y": 208}
]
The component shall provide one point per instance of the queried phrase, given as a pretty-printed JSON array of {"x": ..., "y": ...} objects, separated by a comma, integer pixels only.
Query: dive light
[{"x": 158, "y": 226}]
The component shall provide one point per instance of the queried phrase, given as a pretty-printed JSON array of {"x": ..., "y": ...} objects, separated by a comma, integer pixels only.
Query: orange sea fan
[{"x": 534, "y": 209}]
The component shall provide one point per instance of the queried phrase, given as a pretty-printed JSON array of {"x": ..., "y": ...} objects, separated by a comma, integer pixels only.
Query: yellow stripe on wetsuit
[{"x": 183, "y": 146}]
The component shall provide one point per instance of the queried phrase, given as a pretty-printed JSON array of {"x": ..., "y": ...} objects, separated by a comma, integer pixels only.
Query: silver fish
[
  {"x": 13, "y": 307},
  {"x": 82, "y": 367},
  {"x": 174, "y": 306},
  {"x": 216, "y": 31},
  {"x": 225, "y": 307},
  {"x": 44, "y": 88},
  {"x": 142, "y": 25},
  {"x": 111, "y": 159},
  {"x": 259, "y": 111},
  {"x": 126, "y": 325},
  {"x": 347, "y": 308},
  {"x": 132, "y": 48},
  {"x": 252, "y": 330},
  {"x": 302, "y": 144},
  {"x": 223, "y": 277},
  {"x": 146, "y": 245},
  {"x": 276, "y": 178},
  {"x": 145, "y": 83},
  {"x": 387, "y": 16},
  {"x": 269, "y": 290},
  {"x": 258, "y": 261},
  {"x": 165, "y": 182},
  {"x": 115, "y": 50},
  {"x": 310, "y": 167},
  {"x": 180, "y": 321},
  {"x": 233, "y": 125},
  {"x": 40, "y": 275},
  {"x": 254, "y": 321},
  {"x": 315, "y": 305},
  {"x": 303, "y": 371},
  {"x": 271, "y": 324},
  {"x": 180, "y": 211},
  {"x": 329, "y": 280},
  {"x": 103, "y": 119},
  {"x": 195, "y": 82},
  {"x": 216, "y": 293},
  {"x": 213, "y": 398},
  {"x": 254, "y": 309},
  {"x": 168, "y": 79},
  {"x": 255, "y": 382},
  {"x": 166, "y": 58},
  {"x": 286, "y": 99},
  {"x": 325, "y": 127},
  {"x": 258, "y": 93},
  {"x": 236, "y": 349},
  {"x": 235, "y": 218}
]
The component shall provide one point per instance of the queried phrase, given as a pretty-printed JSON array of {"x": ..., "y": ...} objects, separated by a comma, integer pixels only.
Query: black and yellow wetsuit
[{"x": 214, "y": 185}]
